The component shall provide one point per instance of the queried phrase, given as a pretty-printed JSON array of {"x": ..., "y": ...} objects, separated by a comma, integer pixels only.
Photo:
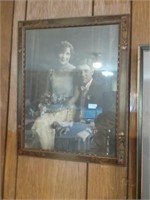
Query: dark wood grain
[{"x": 6, "y": 30}]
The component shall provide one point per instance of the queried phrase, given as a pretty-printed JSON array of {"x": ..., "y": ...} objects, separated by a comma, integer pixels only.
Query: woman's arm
[{"x": 75, "y": 97}]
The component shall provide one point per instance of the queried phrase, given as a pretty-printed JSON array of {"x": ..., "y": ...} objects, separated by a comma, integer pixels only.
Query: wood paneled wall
[
  {"x": 6, "y": 16},
  {"x": 140, "y": 35},
  {"x": 38, "y": 178}
]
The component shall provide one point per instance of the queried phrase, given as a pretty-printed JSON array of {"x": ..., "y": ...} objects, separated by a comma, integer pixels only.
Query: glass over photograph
[
  {"x": 71, "y": 85},
  {"x": 70, "y": 93}
]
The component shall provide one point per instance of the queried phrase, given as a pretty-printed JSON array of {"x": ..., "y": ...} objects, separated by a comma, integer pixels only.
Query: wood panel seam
[
  {"x": 26, "y": 7},
  {"x": 17, "y": 156},
  {"x": 93, "y": 5},
  {"x": 127, "y": 192},
  {"x": 87, "y": 178},
  {"x": 8, "y": 92}
]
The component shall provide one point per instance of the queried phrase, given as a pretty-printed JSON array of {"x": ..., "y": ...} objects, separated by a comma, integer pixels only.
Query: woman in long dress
[{"x": 60, "y": 94}]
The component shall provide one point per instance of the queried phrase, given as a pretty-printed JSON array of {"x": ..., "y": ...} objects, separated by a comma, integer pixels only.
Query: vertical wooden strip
[
  {"x": 93, "y": 5},
  {"x": 112, "y": 7},
  {"x": 18, "y": 15},
  {"x": 11, "y": 154},
  {"x": 6, "y": 30},
  {"x": 107, "y": 182},
  {"x": 26, "y": 5},
  {"x": 46, "y": 178},
  {"x": 10, "y": 166},
  {"x": 140, "y": 36}
]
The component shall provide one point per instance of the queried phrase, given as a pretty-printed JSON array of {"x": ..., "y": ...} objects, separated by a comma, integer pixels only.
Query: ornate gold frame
[{"x": 121, "y": 120}]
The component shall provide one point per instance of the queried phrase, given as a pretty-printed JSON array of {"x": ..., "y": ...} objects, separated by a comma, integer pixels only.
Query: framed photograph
[
  {"x": 143, "y": 150},
  {"x": 73, "y": 88}
]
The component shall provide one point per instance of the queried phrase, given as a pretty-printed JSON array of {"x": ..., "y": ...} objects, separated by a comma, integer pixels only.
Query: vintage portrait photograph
[
  {"x": 69, "y": 94},
  {"x": 71, "y": 84}
]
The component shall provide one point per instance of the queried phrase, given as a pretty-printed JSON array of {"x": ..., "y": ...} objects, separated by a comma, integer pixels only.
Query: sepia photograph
[{"x": 70, "y": 87}]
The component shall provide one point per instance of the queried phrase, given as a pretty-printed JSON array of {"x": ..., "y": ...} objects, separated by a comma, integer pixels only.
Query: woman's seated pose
[{"x": 59, "y": 97}]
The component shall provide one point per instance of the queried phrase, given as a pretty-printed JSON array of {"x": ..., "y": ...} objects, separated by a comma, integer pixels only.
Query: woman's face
[{"x": 64, "y": 56}]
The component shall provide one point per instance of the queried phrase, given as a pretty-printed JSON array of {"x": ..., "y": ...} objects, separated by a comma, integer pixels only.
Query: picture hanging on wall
[
  {"x": 73, "y": 88},
  {"x": 143, "y": 125}
]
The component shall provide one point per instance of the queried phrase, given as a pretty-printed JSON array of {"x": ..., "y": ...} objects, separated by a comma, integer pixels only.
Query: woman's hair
[{"x": 63, "y": 45}]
